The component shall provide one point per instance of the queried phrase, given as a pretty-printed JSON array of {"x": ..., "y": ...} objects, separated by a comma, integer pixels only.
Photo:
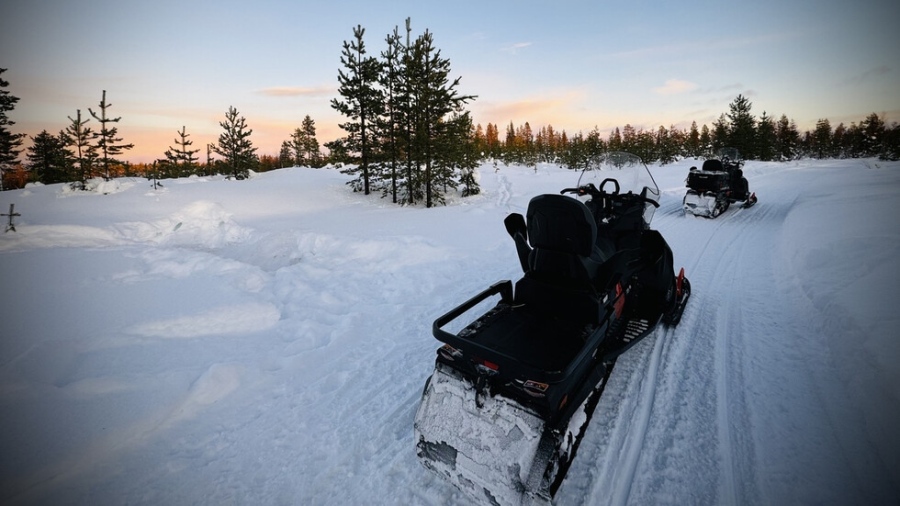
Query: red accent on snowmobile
[{"x": 619, "y": 305}]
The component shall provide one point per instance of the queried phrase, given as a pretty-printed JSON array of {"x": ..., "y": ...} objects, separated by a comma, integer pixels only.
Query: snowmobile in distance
[
  {"x": 517, "y": 379},
  {"x": 718, "y": 184}
]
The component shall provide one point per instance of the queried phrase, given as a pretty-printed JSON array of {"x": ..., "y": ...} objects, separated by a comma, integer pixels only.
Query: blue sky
[{"x": 574, "y": 65}]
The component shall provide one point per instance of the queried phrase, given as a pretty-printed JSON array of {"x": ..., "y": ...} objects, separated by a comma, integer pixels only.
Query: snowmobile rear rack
[{"x": 515, "y": 338}]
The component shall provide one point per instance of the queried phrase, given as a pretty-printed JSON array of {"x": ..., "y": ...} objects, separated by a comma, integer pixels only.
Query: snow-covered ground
[{"x": 266, "y": 342}]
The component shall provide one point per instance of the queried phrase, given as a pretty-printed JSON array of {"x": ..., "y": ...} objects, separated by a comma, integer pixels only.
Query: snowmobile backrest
[
  {"x": 713, "y": 165},
  {"x": 560, "y": 223},
  {"x": 564, "y": 260}
]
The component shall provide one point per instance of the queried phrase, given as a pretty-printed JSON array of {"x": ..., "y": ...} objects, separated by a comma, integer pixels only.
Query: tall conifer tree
[
  {"x": 78, "y": 138},
  {"x": 108, "y": 145},
  {"x": 9, "y": 142},
  {"x": 362, "y": 103},
  {"x": 742, "y": 127},
  {"x": 235, "y": 145}
]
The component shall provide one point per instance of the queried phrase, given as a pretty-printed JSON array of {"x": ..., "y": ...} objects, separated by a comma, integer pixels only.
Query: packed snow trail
[
  {"x": 710, "y": 414},
  {"x": 267, "y": 341}
]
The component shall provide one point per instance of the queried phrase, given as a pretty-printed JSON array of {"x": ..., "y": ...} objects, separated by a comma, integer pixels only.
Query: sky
[{"x": 572, "y": 64}]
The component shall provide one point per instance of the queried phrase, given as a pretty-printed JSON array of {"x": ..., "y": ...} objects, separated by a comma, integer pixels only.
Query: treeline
[
  {"x": 80, "y": 153},
  {"x": 409, "y": 137},
  {"x": 762, "y": 138}
]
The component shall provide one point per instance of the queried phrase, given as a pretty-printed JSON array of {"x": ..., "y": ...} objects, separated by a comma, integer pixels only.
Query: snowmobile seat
[
  {"x": 563, "y": 235},
  {"x": 713, "y": 166},
  {"x": 565, "y": 260}
]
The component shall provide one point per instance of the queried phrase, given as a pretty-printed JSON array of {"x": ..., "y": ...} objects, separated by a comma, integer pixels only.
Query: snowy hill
[{"x": 266, "y": 342}]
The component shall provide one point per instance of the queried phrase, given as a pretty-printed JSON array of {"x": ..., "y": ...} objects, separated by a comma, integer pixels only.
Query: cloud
[
  {"x": 296, "y": 91},
  {"x": 514, "y": 49},
  {"x": 869, "y": 75},
  {"x": 675, "y": 87}
]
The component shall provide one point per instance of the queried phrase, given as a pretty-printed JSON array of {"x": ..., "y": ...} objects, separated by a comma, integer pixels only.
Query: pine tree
[
  {"x": 432, "y": 105},
  {"x": 873, "y": 135},
  {"x": 180, "y": 158},
  {"x": 788, "y": 139},
  {"x": 311, "y": 146},
  {"x": 285, "y": 156},
  {"x": 692, "y": 142},
  {"x": 235, "y": 145},
  {"x": 719, "y": 135},
  {"x": 78, "y": 138},
  {"x": 821, "y": 140},
  {"x": 390, "y": 125},
  {"x": 362, "y": 103},
  {"x": 9, "y": 142},
  {"x": 742, "y": 127},
  {"x": 48, "y": 159},
  {"x": 107, "y": 143},
  {"x": 304, "y": 144},
  {"x": 891, "y": 149},
  {"x": 706, "y": 145},
  {"x": 837, "y": 141},
  {"x": 766, "y": 140},
  {"x": 615, "y": 140}
]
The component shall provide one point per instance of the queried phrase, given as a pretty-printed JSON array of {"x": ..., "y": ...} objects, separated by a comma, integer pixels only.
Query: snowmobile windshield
[
  {"x": 628, "y": 171},
  {"x": 730, "y": 154}
]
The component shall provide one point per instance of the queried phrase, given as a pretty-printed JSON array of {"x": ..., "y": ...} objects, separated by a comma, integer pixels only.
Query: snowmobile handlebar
[{"x": 592, "y": 191}]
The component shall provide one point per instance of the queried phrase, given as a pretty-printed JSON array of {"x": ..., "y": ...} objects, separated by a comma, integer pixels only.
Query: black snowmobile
[
  {"x": 719, "y": 183},
  {"x": 512, "y": 392}
]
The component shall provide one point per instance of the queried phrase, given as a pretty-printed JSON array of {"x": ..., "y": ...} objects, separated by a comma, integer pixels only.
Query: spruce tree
[
  {"x": 48, "y": 159},
  {"x": 692, "y": 142},
  {"x": 705, "y": 141},
  {"x": 873, "y": 135},
  {"x": 766, "y": 140},
  {"x": 180, "y": 158},
  {"x": 304, "y": 144},
  {"x": 311, "y": 144},
  {"x": 821, "y": 140},
  {"x": 9, "y": 142},
  {"x": 108, "y": 146},
  {"x": 285, "y": 156},
  {"x": 78, "y": 139},
  {"x": 719, "y": 136},
  {"x": 742, "y": 127},
  {"x": 235, "y": 145},
  {"x": 362, "y": 103},
  {"x": 788, "y": 138}
]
